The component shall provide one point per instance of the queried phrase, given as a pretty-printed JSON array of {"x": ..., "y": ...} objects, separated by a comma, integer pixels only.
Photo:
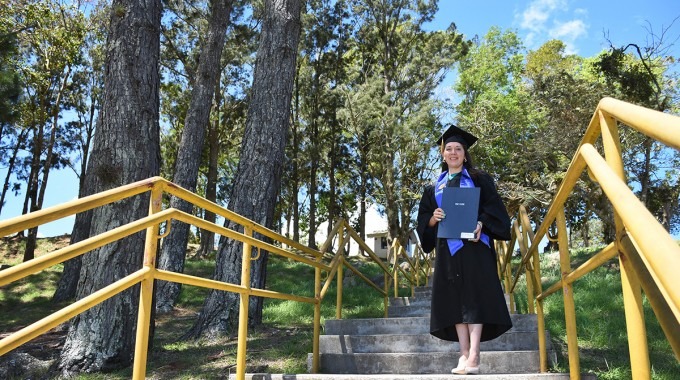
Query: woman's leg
[
  {"x": 463, "y": 339},
  {"x": 464, "y": 344},
  {"x": 475, "y": 331}
]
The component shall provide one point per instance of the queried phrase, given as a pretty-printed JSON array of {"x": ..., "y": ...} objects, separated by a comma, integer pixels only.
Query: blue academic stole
[{"x": 465, "y": 181}]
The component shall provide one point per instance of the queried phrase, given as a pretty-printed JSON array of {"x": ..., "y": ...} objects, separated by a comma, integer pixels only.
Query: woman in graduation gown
[{"x": 468, "y": 305}]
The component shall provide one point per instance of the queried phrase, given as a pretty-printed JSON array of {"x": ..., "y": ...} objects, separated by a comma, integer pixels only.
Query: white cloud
[
  {"x": 538, "y": 12},
  {"x": 581, "y": 12},
  {"x": 569, "y": 32},
  {"x": 542, "y": 20}
]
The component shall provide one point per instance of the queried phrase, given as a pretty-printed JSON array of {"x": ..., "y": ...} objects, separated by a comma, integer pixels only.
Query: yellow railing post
[
  {"x": 542, "y": 346},
  {"x": 416, "y": 255},
  {"x": 146, "y": 287},
  {"x": 530, "y": 292},
  {"x": 568, "y": 294},
  {"x": 338, "y": 302},
  {"x": 395, "y": 270},
  {"x": 630, "y": 284},
  {"x": 317, "y": 319},
  {"x": 505, "y": 272},
  {"x": 387, "y": 290},
  {"x": 524, "y": 249},
  {"x": 243, "y": 309}
]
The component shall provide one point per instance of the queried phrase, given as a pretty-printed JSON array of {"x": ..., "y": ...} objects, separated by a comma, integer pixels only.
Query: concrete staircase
[{"x": 401, "y": 347}]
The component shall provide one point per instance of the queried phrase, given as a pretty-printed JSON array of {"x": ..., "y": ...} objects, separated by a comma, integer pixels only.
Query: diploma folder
[{"x": 460, "y": 205}]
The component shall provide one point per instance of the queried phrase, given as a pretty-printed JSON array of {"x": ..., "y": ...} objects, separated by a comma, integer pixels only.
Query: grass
[
  {"x": 600, "y": 320},
  {"x": 28, "y": 300},
  {"x": 282, "y": 342}
]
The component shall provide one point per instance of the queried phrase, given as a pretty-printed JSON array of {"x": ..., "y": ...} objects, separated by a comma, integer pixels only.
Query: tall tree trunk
[
  {"x": 126, "y": 149},
  {"x": 188, "y": 160},
  {"x": 31, "y": 203},
  {"x": 364, "y": 148},
  {"x": 39, "y": 186},
  {"x": 10, "y": 166},
  {"x": 316, "y": 148},
  {"x": 332, "y": 196},
  {"x": 314, "y": 164},
  {"x": 68, "y": 282},
  {"x": 646, "y": 171},
  {"x": 586, "y": 234},
  {"x": 258, "y": 176},
  {"x": 53, "y": 136},
  {"x": 208, "y": 237},
  {"x": 295, "y": 175}
]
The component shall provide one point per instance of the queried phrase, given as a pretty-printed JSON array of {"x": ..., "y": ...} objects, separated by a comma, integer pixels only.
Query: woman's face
[{"x": 454, "y": 156}]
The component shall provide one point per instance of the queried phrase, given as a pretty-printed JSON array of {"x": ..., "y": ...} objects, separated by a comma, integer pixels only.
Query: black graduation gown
[{"x": 466, "y": 287}]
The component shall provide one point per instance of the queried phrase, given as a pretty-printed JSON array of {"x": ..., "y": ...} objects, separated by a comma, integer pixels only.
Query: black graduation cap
[{"x": 453, "y": 133}]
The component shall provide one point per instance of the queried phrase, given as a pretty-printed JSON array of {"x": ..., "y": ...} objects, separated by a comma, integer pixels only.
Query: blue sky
[{"x": 583, "y": 25}]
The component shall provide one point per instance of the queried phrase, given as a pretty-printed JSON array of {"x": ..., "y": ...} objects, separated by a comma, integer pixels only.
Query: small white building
[{"x": 380, "y": 244}]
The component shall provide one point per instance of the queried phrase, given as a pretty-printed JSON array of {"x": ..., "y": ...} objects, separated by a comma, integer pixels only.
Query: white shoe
[{"x": 462, "y": 365}]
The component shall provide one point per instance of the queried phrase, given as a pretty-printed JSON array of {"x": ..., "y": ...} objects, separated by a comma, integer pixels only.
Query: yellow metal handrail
[
  {"x": 148, "y": 273},
  {"x": 648, "y": 255}
]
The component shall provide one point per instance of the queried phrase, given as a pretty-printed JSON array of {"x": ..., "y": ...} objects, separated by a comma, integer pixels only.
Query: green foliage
[
  {"x": 9, "y": 77},
  {"x": 645, "y": 76},
  {"x": 531, "y": 110},
  {"x": 497, "y": 107},
  {"x": 49, "y": 51}
]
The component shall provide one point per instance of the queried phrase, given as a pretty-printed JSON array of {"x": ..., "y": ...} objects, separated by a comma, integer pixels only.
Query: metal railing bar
[
  {"x": 35, "y": 329},
  {"x": 50, "y": 214},
  {"x": 329, "y": 240},
  {"x": 363, "y": 277},
  {"x": 668, "y": 319},
  {"x": 598, "y": 259},
  {"x": 660, "y": 126},
  {"x": 190, "y": 197},
  {"x": 409, "y": 276},
  {"x": 39, "y": 263},
  {"x": 509, "y": 249},
  {"x": 653, "y": 239},
  {"x": 366, "y": 248},
  {"x": 227, "y": 232},
  {"x": 574, "y": 171},
  {"x": 225, "y": 286},
  {"x": 337, "y": 261}
]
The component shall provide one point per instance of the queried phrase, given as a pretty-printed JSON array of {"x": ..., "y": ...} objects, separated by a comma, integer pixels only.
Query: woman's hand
[
  {"x": 477, "y": 232},
  {"x": 437, "y": 217}
]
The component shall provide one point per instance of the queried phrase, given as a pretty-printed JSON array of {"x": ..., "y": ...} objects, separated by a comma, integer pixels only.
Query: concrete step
[
  {"x": 424, "y": 291},
  {"x": 492, "y": 362},
  {"x": 401, "y": 347},
  {"x": 528, "y": 376},
  {"x": 407, "y": 325},
  {"x": 410, "y": 301},
  {"x": 408, "y": 311},
  {"x": 395, "y": 343}
]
